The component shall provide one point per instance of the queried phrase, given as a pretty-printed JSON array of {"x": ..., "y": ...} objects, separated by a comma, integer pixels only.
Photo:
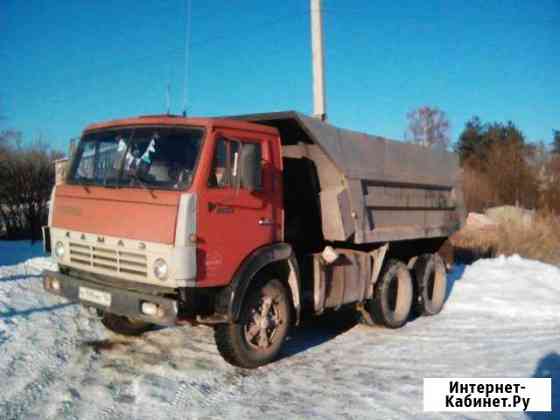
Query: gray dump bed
[{"x": 373, "y": 189}]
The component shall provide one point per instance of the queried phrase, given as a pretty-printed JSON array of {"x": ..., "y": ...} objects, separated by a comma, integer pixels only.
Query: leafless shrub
[
  {"x": 478, "y": 192},
  {"x": 549, "y": 199},
  {"x": 26, "y": 181},
  {"x": 502, "y": 177},
  {"x": 470, "y": 244}
]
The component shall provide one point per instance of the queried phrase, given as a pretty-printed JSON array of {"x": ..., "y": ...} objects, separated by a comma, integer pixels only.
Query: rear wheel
[
  {"x": 431, "y": 284},
  {"x": 124, "y": 325},
  {"x": 392, "y": 299},
  {"x": 256, "y": 339}
]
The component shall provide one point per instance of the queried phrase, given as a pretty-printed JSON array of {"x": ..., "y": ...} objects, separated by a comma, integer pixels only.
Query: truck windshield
[{"x": 155, "y": 157}]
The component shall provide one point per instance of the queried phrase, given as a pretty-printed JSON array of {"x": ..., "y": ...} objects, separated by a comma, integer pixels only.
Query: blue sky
[{"x": 65, "y": 64}]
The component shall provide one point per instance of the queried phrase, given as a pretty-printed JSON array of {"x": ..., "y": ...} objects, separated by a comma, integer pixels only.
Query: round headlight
[
  {"x": 59, "y": 250},
  {"x": 161, "y": 269}
]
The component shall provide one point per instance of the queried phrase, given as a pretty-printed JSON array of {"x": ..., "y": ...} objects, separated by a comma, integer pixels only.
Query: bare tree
[
  {"x": 10, "y": 138},
  {"x": 429, "y": 127}
]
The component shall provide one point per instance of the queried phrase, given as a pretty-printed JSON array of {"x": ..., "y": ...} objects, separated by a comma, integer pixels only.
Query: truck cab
[
  {"x": 155, "y": 208},
  {"x": 167, "y": 188}
]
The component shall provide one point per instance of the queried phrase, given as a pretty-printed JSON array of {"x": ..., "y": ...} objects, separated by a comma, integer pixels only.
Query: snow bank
[{"x": 510, "y": 287}]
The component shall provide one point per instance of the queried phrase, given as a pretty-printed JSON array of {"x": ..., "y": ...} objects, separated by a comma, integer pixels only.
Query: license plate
[{"x": 95, "y": 296}]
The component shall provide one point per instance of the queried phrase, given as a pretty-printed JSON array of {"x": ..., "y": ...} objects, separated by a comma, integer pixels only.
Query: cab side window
[
  {"x": 223, "y": 166},
  {"x": 224, "y": 172}
]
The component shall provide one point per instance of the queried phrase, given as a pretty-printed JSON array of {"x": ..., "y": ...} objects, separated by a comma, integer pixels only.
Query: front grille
[{"x": 109, "y": 260}]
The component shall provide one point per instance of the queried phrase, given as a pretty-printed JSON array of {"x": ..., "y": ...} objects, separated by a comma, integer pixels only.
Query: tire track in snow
[
  {"x": 40, "y": 369},
  {"x": 81, "y": 370},
  {"x": 205, "y": 392},
  {"x": 37, "y": 358}
]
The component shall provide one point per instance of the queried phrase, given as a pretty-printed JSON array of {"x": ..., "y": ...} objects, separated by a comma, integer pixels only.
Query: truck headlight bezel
[
  {"x": 59, "y": 250},
  {"x": 161, "y": 269}
]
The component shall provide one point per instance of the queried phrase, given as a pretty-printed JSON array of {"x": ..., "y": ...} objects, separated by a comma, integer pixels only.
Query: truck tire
[
  {"x": 124, "y": 325},
  {"x": 430, "y": 284},
  {"x": 392, "y": 298},
  {"x": 256, "y": 339}
]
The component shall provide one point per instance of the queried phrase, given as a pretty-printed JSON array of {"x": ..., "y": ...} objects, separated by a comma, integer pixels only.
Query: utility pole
[{"x": 319, "y": 101}]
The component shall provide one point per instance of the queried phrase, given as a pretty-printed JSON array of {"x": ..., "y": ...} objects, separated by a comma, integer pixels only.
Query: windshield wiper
[
  {"x": 142, "y": 184},
  {"x": 82, "y": 182}
]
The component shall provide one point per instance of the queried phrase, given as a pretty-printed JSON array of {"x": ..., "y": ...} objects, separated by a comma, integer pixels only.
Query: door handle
[
  {"x": 219, "y": 209},
  {"x": 265, "y": 222}
]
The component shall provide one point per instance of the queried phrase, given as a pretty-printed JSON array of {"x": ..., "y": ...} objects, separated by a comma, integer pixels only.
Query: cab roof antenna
[{"x": 168, "y": 98}]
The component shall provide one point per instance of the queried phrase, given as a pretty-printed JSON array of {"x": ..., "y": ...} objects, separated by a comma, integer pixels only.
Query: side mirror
[{"x": 250, "y": 168}]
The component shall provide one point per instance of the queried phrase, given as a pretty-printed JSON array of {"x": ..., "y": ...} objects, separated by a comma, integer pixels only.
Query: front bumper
[{"x": 122, "y": 302}]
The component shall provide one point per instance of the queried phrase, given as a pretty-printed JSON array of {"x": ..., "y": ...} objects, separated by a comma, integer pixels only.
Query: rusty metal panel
[
  {"x": 403, "y": 197},
  {"x": 369, "y": 157},
  {"x": 374, "y": 158},
  {"x": 336, "y": 213},
  {"x": 359, "y": 211},
  {"x": 401, "y": 233},
  {"x": 396, "y": 190},
  {"x": 346, "y": 280}
]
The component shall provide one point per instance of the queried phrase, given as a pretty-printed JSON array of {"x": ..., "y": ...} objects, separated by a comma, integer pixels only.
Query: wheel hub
[{"x": 260, "y": 330}]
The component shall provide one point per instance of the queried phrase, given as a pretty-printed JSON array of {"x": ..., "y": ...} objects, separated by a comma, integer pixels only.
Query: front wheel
[{"x": 256, "y": 339}]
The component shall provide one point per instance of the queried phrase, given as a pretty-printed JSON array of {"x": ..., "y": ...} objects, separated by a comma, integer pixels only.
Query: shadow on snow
[
  {"x": 11, "y": 312},
  {"x": 318, "y": 330},
  {"x": 548, "y": 367},
  {"x": 20, "y": 277},
  {"x": 313, "y": 330},
  {"x": 455, "y": 274}
]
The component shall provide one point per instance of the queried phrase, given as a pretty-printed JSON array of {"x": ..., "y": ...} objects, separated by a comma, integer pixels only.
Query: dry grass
[
  {"x": 482, "y": 240},
  {"x": 538, "y": 240}
]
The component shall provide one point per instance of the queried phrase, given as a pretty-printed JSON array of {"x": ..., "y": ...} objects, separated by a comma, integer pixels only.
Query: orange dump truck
[{"x": 246, "y": 222}]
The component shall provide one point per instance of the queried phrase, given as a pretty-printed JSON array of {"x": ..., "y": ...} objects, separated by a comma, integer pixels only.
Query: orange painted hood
[{"x": 124, "y": 212}]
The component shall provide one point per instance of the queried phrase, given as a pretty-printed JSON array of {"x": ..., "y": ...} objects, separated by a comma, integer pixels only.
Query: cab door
[{"x": 233, "y": 221}]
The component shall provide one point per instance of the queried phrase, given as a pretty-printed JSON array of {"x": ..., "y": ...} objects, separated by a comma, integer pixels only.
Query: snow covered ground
[{"x": 502, "y": 319}]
